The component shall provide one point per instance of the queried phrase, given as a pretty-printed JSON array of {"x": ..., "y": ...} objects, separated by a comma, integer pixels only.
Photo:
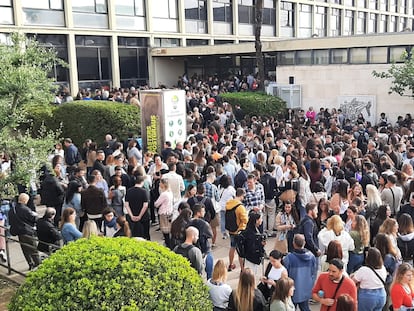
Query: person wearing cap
[{"x": 332, "y": 284}]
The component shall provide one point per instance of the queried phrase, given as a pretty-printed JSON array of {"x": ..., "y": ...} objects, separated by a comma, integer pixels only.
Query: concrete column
[
  {"x": 235, "y": 6},
  {"x": 210, "y": 21},
  {"x": 73, "y": 65},
  {"x": 67, "y": 6},
  {"x": 17, "y": 12},
  {"x": 116, "y": 75},
  {"x": 181, "y": 20},
  {"x": 111, "y": 15}
]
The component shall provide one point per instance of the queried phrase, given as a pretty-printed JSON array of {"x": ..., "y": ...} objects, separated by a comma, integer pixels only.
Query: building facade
[{"x": 136, "y": 42}]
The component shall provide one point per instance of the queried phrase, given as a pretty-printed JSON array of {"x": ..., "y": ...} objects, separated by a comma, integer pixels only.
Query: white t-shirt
[
  {"x": 219, "y": 294},
  {"x": 368, "y": 279}
]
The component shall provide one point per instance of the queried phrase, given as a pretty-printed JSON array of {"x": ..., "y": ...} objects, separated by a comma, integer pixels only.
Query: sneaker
[
  {"x": 225, "y": 236},
  {"x": 231, "y": 267},
  {"x": 3, "y": 257}
]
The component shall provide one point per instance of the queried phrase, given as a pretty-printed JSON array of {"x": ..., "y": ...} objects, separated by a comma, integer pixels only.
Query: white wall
[
  {"x": 166, "y": 71},
  {"x": 321, "y": 85}
]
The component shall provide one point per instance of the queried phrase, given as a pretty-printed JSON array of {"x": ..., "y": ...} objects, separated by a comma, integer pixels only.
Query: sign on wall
[{"x": 353, "y": 105}]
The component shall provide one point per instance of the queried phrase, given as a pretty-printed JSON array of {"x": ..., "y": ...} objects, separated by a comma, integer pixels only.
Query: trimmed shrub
[
  {"x": 255, "y": 103},
  {"x": 112, "y": 274},
  {"x": 88, "y": 119}
]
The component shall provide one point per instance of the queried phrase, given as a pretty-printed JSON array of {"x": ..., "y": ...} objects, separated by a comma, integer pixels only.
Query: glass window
[
  {"x": 286, "y": 58},
  {"x": 372, "y": 23},
  {"x": 349, "y": 23},
  {"x": 402, "y": 6},
  {"x": 383, "y": 23},
  {"x": 358, "y": 55},
  {"x": 166, "y": 42},
  {"x": 361, "y": 23},
  {"x": 335, "y": 22},
  {"x": 360, "y": 3},
  {"x": 393, "y": 24},
  {"x": 89, "y": 6},
  {"x": 320, "y": 57},
  {"x": 320, "y": 21},
  {"x": 349, "y": 2},
  {"x": 304, "y": 57},
  {"x": 372, "y": 4},
  {"x": 129, "y": 41},
  {"x": 305, "y": 21},
  {"x": 246, "y": 14},
  {"x": 339, "y": 56},
  {"x": 193, "y": 42},
  {"x": 269, "y": 16},
  {"x": 43, "y": 12},
  {"x": 195, "y": 9},
  {"x": 43, "y": 4},
  {"x": 396, "y": 53},
  {"x": 6, "y": 13},
  {"x": 383, "y": 5},
  {"x": 165, "y": 8},
  {"x": 393, "y": 5},
  {"x": 378, "y": 55},
  {"x": 222, "y": 11},
  {"x": 130, "y": 7},
  {"x": 93, "y": 63},
  {"x": 287, "y": 19}
]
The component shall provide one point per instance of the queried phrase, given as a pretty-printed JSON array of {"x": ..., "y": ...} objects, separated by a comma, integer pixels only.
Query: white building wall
[
  {"x": 166, "y": 70},
  {"x": 321, "y": 86}
]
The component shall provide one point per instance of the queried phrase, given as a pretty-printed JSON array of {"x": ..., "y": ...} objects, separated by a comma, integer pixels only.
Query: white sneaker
[{"x": 3, "y": 257}]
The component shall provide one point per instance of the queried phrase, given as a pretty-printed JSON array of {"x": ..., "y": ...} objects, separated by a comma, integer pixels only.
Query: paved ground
[{"x": 220, "y": 252}]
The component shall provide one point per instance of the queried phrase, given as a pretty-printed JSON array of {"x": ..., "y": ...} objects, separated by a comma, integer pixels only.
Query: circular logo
[
  {"x": 171, "y": 123},
  {"x": 174, "y": 101},
  {"x": 179, "y": 122},
  {"x": 171, "y": 133}
]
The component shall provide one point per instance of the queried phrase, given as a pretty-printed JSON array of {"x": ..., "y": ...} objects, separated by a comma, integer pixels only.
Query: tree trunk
[{"x": 258, "y": 44}]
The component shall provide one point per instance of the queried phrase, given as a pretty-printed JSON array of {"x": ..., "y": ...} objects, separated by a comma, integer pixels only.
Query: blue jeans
[
  {"x": 371, "y": 299},
  {"x": 355, "y": 262},
  {"x": 209, "y": 265},
  {"x": 303, "y": 306},
  {"x": 223, "y": 221}
]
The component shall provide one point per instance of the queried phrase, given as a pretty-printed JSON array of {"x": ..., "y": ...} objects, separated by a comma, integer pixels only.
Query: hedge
[
  {"x": 112, "y": 274},
  {"x": 88, "y": 119},
  {"x": 255, "y": 103}
]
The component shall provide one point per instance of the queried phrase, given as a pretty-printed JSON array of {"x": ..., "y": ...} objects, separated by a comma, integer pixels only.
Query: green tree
[
  {"x": 402, "y": 75},
  {"x": 24, "y": 81}
]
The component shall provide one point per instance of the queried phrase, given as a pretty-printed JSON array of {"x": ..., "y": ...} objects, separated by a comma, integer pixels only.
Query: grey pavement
[{"x": 219, "y": 252}]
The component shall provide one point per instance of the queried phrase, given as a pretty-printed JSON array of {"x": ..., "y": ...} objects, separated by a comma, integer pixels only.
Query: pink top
[{"x": 164, "y": 203}]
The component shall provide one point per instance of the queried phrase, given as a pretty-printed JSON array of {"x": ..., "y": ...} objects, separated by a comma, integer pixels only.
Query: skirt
[{"x": 165, "y": 224}]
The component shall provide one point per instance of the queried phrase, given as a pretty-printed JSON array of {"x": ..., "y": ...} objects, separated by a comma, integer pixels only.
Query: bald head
[
  {"x": 191, "y": 235},
  {"x": 23, "y": 198}
]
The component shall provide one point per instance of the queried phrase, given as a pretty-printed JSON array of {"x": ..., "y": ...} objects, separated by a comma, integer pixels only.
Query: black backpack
[
  {"x": 183, "y": 251},
  {"x": 231, "y": 219},
  {"x": 240, "y": 240}
]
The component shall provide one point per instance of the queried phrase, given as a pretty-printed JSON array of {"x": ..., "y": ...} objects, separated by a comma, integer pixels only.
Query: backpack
[
  {"x": 240, "y": 240},
  {"x": 231, "y": 219},
  {"x": 183, "y": 251}
]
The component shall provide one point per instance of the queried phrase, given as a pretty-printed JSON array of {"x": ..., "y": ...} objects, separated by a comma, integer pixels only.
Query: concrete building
[{"x": 328, "y": 47}]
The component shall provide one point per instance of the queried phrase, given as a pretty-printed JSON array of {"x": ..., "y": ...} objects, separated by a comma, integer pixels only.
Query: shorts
[
  {"x": 232, "y": 241},
  {"x": 215, "y": 222}
]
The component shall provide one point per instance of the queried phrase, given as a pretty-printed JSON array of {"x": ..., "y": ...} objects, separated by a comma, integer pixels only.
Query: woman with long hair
[
  {"x": 304, "y": 191},
  {"x": 116, "y": 196},
  {"x": 389, "y": 254},
  {"x": 345, "y": 303},
  {"x": 90, "y": 229},
  {"x": 274, "y": 272},
  {"x": 334, "y": 250},
  {"x": 246, "y": 297},
  {"x": 356, "y": 192},
  {"x": 390, "y": 228},
  {"x": 360, "y": 235},
  {"x": 164, "y": 204},
  {"x": 335, "y": 231},
  {"x": 371, "y": 279},
  {"x": 384, "y": 212},
  {"x": 73, "y": 199},
  {"x": 323, "y": 213},
  {"x": 405, "y": 239},
  {"x": 68, "y": 227},
  {"x": 122, "y": 227},
  {"x": 339, "y": 201},
  {"x": 219, "y": 291},
  {"x": 286, "y": 221},
  {"x": 254, "y": 242},
  {"x": 315, "y": 173},
  {"x": 351, "y": 213},
  {"x": 179, "y": 225},
  {"x": 373, "y": 202},
  {"x": 282, "y": 296},
  {"x": 402, "y": 291},
  {"x": 226, "y": 192}
]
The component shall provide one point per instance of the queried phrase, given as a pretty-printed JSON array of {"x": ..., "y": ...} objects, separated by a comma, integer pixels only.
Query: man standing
[
  {"x": 255, "y": 198},
  {"x": 204, "y": 242},
  {"x": 241, "y": 175},
  {"x": 200, "y": 198},
  {"x": 99, "y": 162},
  {"x": 302, "y": 268},
  {"x": 213, "y": 194},
  {"x": 189, "y": 251},
  {"x": 392, "y": 194},
  {"x": 310, "y": 230},
  {"x": 136, "y": 203},
  {"x": 238, "y": 222},
  {"x": 93, "y": 201},
  {"x": 72, "y": 155},
  {"x": 22, "y": 223},
  {"x": 332, "y": 284},
  {"x": 270, "y": 187},
  {"x": 175, "y": 182}
]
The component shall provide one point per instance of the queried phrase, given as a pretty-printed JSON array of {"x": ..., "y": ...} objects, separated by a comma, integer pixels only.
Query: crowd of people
[{"x": 335, "y": 195}]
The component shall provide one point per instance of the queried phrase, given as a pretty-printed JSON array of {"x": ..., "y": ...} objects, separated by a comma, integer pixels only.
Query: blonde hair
[
  {"x": 90, "y": 229},
  {"x": 363, "y": 229},
  {"x": 245, "y": 291},
  {"x": 336, "y": 224},
  {"x": 373, "y": 196},
  {"x": 387, "y": 226},
  {"x": 219, "y": 271}
]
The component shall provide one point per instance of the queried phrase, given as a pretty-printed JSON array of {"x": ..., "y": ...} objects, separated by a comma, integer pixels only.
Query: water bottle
[{"x": 321, "y": 294}]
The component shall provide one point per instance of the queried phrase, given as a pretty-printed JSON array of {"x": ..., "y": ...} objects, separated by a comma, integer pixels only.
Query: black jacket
[
  {"x": 48, "y": 233},
  {"x": 22, "y": 220},
  {"x": 253, "y": 245},
  {"x": 52, "y": 192}
]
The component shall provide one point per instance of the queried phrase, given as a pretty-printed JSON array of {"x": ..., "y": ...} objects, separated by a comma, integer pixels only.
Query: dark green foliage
[
  {"x": 112, "y": 274},
  {"x": 89, "y": 119},
  {"x": 255, "y": 103}
]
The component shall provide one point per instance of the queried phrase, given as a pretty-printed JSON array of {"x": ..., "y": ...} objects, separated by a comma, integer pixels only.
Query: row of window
[{"x": 363, "y": 55}]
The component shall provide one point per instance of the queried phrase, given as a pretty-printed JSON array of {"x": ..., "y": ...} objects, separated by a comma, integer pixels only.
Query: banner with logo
[{"x": 163, "y": 118}]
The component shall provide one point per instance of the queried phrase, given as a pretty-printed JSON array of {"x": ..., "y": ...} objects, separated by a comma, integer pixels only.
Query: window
[
  {"x": 393, "y": 24},
  {"x": 383, "y": 23},
  {"x": 222, "y": 11},
  {"x": 305, "y": 21},
  {"x": 130, "y": 7},
  {"x": 361, "y": 22},
  {"x": 378, "y": 55},
  {"x": 360, "y": 3},
  {"x": 6, "y": 12},
  {"x": 372, "y": 23},
  {"x": 287, "y": 19},
  {"x": 94, "y": 58},
  {"x": 269, "y": 13},
  {"x": 349, "y": 23},
  {"x": 335, "y": 22},
  {"x": 393, "y": 6},
  {"x": 166, "y": 42},
  {"x": 195, "y": 9},
  {"x": 90, "y": 13},
  {"x": 339, "y": 56},
  {"x": 372, "y": 4},
  {"x": 193, "y": 42},
  {"x": 383, "y": 5},
  {"x": 349, "y": 2},
  {"x": 320, "y": 21},
  {"x": 320, "y": 57},
  {"x": 402, "y": 6},
  {"x": 90, "y": 6},
  {"x": 133, "y": 61},
  {"x": 286, "y": 58},
  {"x": 43, "y": 12},
  {"x": 246, "y": 12},
  {"x": 358, "y": 55},
  {"x": 304, "y": 57},
  {"x": 165, "y": 8},
  {"x": 402, "y": 24},
  {"x": 396, "y": 54}
]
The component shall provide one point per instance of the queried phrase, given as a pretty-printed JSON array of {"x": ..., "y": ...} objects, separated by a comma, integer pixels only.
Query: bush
[
  {"x": 256, "y": 103},
  {"x": 88, "y": 119},
  {"x": 112, "y": 274}
]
